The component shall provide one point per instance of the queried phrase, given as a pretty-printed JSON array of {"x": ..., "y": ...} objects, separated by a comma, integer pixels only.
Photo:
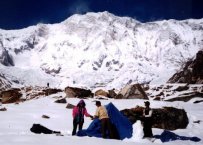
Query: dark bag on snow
[{"x": 37, "y": 128}]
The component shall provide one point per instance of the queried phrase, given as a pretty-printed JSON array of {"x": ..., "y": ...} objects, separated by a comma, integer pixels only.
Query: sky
[{"x": 16, "y": 14}]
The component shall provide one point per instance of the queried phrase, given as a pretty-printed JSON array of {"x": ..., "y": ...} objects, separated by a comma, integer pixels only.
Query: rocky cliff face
[
  {"x": 192, "y": 72},
  {"x": 4, "y": 83}
]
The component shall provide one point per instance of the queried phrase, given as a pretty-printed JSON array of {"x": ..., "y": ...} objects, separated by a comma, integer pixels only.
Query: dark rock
[
  {"x": 165, "y": 118},
  {"x": 70, "y": 106},
  {"x": 112, "y": 93},
  {"x": 132, "y": 92},
  {"x": 186, "y": 97},
  {"x": 5, "y": 58},
  {"x": 199, "y": 101},
  {"x": 72, "y": 92},
  {"x": 160, "y": 94},
  {"x": 168, "y": 87},
  {"x": 45, "y": 116},
  {"x": 182, "y": 88},
  {"x": 170, "y": 118},
  {"x": 50, "y": 91},
  {"x": 10, "y": 96},
  {"x": 198, "y": 121},
  {"x": 192, "y": 72},
  {"x": 61, "y": 101},
  {"x": 133, "y": 114},
  {"x": 158, "y": 98},
  {"x": 3, "y": 109},
  {"x": 119, "y": 96}
]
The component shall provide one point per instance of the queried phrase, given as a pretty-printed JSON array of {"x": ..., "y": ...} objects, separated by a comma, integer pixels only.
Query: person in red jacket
[{"x": 78, "y": 116}]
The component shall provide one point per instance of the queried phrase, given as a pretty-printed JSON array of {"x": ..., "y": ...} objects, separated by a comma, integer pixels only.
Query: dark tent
[{"x": 120, "y": 124}]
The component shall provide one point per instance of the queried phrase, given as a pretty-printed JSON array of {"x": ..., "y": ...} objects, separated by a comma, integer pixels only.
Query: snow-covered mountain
[{"x": 98, "y": 50}]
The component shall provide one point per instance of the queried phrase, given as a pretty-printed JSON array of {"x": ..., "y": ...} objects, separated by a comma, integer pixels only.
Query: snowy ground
[{"x": 15, "y": 123}]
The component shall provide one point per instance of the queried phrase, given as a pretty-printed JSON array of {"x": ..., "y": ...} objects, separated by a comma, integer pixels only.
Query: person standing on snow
[
  {"x": 78, "y": 116},
  {"x": 147, "y": 120},
  {"x": 102, "y": 114}
]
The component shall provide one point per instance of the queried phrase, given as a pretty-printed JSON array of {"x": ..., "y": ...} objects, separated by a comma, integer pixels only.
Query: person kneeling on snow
[
  {"x": 102, "y": 114},
  {"x": 78, "y": 116}
]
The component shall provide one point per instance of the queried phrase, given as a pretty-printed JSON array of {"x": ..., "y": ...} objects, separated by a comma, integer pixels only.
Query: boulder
[
  {"x": 197, "y": 121},
  {"x": 158, "y": 98},
  {"x": 132, "y": 92},
  {"x": 10, "y": 96},
  {"x": 70, "y": 106},
  {"x": 61, "y": 101},
  {"x": 72, "y": 92},
  {"x": 112, "y": 93},
  {"x": 45, "y": 116},
  {"x": 170, "y": 118},
  {"x": 164, "y": 118},
  {"x": 133, "y": 114},
  {"x": 101, "y": 93},
  {"x": 119, "y": 96},
  {"x": 3, "y": 109}
]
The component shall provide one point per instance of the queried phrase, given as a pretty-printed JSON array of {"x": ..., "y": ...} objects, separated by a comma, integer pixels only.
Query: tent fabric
[
  {"x": 122, "y": 125},
  {"x": 167, "y": 136}
]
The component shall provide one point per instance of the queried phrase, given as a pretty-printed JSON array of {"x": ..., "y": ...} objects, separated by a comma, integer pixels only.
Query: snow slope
[
  {"x": 98, "y": 50},
  {"x": 19, "y": 118}
]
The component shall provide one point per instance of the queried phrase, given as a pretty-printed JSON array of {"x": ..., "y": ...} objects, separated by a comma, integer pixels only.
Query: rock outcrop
[
  {"x": 112, "y": 93},
  {"x": 63, "y": 101},
  {"x": 70, "y": 106},
  {"x": 5, "y": 58},
  {"x": 186, "y": 97},
  {"x": 132, "y": 92},
  {"x": 192, "y": 72},
  {"x": 72, "y": 92},
  {"x": 165, "y": 118},
  {"x": 10, "y": 96},
  {"x": 4, "y": 83}
]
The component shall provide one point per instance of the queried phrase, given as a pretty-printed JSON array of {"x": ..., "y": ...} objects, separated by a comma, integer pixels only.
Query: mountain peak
[{"x": 100, "y": 49}]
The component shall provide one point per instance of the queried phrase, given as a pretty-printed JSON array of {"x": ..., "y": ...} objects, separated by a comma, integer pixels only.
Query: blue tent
[{"x": 122, "y": 126}]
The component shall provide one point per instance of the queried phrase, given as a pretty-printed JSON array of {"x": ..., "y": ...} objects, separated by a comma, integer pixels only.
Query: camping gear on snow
[
  {"x": 167, "y": 136},
  {"x": 122, "y": 127},
  {"x": 37, "y": 128}
]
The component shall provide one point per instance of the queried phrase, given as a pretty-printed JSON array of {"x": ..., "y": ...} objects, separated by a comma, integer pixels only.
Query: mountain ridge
[{"x": 100, "y": 50}]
